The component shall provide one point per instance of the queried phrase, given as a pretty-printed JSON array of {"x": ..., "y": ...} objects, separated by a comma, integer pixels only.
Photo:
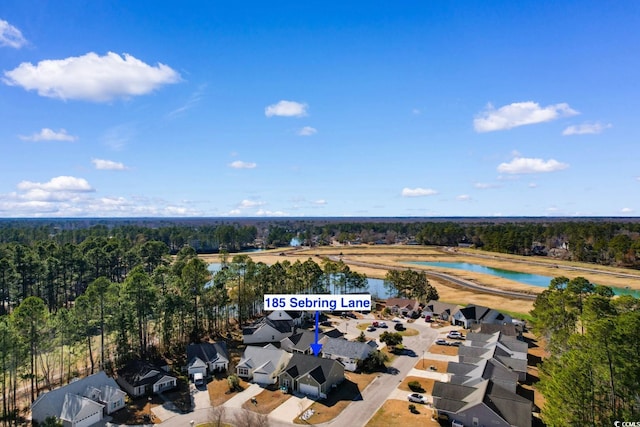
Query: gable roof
[
  {"x": 282, "y": 326},
  {"x": 318, "y": 367},
  {"x": 76, "y": 408},
  {"x": 262, "y": 359},
  {"x": 348, "y": 349},
  {"x": 437, "y": 307},
  {"x": 140, "y": 372},
  {"x": 409, "y": 304},
  {"x": 207, "y": 352},
  {"x": 302, "y": 340},
  {"x": 474, "y": 312},
  {"x": 52, "y": 402}
]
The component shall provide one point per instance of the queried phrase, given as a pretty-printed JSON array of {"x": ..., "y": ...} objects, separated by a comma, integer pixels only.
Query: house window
[
  {"x": 286, "y": 383},
  {"x": 475, "y": 421},
  {"x": 243, "y": 372}
]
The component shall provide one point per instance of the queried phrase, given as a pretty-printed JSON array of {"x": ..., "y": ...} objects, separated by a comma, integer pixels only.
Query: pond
[{"x": 526, "y": 278}]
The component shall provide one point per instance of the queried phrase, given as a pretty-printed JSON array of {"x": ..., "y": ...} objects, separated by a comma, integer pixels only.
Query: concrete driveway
[{"x": 290, "y": 409}]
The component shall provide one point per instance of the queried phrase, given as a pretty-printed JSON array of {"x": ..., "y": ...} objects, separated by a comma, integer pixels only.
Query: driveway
[
  {"x": 290, "y": 409},
  {"x": 243, "y": 396}
]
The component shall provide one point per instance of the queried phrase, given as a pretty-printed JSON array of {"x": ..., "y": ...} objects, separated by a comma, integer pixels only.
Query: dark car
[{"x": 399, "y": 327}]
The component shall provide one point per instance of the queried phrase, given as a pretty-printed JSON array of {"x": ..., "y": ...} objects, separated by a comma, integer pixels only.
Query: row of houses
[{"x": 483, "y": 384}]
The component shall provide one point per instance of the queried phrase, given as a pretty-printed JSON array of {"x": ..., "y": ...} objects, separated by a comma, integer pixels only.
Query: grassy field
[{"x": 396, "y": 256}]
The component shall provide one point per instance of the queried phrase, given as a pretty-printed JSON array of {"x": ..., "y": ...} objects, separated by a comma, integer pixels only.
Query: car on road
[
  {"x": 375, "y": 323},
  {"x": 371, "y": 328},
  {"x": 382, "y": 325},
  {"x": 455, "y": 343},
  {"x": 455, "y": 335},
  {"x": 399, "y": 327},
  {"x": 417, "y": 398},
  {"x": 442, "y": 342}
]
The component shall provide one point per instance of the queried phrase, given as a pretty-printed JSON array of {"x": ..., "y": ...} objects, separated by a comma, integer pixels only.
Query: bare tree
[
  {"x": 247, "y": 418},
  {"x": 216, "y": 416}
]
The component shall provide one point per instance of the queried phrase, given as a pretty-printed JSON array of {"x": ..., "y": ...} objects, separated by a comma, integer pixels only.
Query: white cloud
[
  {"x": 307, "y": 131},
  {"x": 262, "y": 212},
  {"x": 585, "y": 128},
  {"x": 234, "y": 212},
  {"x": 416, "y": 112},
  {"x": 532, "y": 185},
  {"x": 239, "y": 164},
  {"x": 418, "y": 192},
  {"x": 521, "y": 165},
  {"x": 519, "y": 114},
  {"x": 47, "y": 134},
  {"x": 484, "y": 185},
  {"x": 110, "y": 165},
  {"x": 60, "y": 183},
  {"x": 463, "y": 197},
  {"x": 286, "y": 109},
  {"x": 626, "y": 210},
  {"x": 91, "y": 77},
  {"x": 245, "y": 204},
  {"x": 319, "y": 202},
  {"x": 11, "y": 36}
]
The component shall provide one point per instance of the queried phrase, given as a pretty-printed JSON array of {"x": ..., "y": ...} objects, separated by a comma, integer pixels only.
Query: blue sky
[{"x": 362, "y": 108}]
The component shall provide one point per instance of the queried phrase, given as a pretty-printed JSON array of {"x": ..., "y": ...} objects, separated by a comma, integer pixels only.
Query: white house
[
  {"x": 139, "y": 378},
  {"x": 80, "y": 403},
  {"x": 206, "y": 358},
  {"x": 349, "y": 353},
  {"x": 273, "y": 328},
  {"x": 262, "y": 364}
]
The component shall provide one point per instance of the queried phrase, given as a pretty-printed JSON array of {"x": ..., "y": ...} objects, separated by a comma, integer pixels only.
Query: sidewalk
[{"x": 243, "y": 396}]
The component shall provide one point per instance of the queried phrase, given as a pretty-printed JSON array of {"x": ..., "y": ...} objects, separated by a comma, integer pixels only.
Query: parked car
[
  {"x": 371, "y": 329},
  {"x": 350, "y": 314},
  {"x": 455, "y": 343},
  {"x": 326, "y": 323},
  {"x": 417, "y": 398},
  {"x": 399, "y": 327},
  {"x": 383, "y": 325},
  {"x": 442, "y": 342},
  {"x": 455, "y": 335},
  {"x": 375, "y": 323},
  {"x": 428, "y": 319}
]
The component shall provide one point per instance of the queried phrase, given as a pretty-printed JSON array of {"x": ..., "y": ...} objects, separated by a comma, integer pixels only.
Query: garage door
[
  {"x": 309, "y": 390},
  {"x": 90, "y": 420}
]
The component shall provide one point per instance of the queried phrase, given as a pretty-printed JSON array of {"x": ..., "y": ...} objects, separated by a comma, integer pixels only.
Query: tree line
[
  {"x": 592, "y": 376},
  {"x": 154, "y": 306}
]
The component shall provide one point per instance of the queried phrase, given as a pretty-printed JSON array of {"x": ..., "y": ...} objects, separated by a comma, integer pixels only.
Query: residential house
[
  {"x": 139, "y": 378},
  {"x": 301, "y": 342},
  {"x": 439, "y": 310},
  {"x": 486, "y": 403},
  {"x": 206, "y": 358},
  {"x": 310, "y": 375},
  {"x": 474, "y": 314},
  {"x": 270, "y": 329},
  {"x": 262, "y": 365},
  {"x": 80, "y": 403},
  {"x": 403, "y": 306},
  {"x": 509, "y": 351},
  {"x": 471, "y": 374},
  {"x": 349, "y": 353}
]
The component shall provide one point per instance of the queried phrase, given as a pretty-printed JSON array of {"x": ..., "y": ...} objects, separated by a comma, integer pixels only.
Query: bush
[
  {"x": 413, "y": 409},
  {"x": 415, "y": 386}
]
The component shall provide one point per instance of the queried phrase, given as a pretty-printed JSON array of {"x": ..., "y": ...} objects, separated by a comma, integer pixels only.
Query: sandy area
[{"x": 397, "y": 256}]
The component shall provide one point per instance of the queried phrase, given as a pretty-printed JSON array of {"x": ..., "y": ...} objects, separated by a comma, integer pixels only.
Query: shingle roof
[
  {"x": 349, "y": 349},
  {"x": 303, "y": 340},
  {"x": 318, "y": 367},
  {"x": 259, "y": 358},
  {"x": 208, "y": 352},
  {"x": 515, "y": 409},
  {"x": 76, "y": 408},
  {"x": 139, "y": 373}
]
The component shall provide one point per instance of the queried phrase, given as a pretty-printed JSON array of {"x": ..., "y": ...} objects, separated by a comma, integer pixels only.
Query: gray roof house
[
  {"x": 440, "y": 310},
  {"x": 474, "y": 314},
  {"x": 206, "y": 358},
  {"x": 139, "y": 377},
  {"x": 301, "y": 342},
  {"x": 471, "y": 374},
  {"x": 349, "y": 353},
  {"x": 403, "y": 306},
  {"x": 507, "y": 350},
  {"x": 270, "y": 329},
  {"x": 485, "y": 403},
  {"x": 80, "y": 403},
  {"x": 310, "y": 375},
  {"x": 262, "y": 364}
]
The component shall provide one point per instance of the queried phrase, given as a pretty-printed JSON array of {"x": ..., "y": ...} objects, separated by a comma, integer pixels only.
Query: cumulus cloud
[
  {"x": 585, "y": 129},
  {"x": 522, "y": 165},
  {"x": 91, "y": 77},
  {"x": 626, "y": 210},
  {"x": 463, "y": 197},
  {"x": 246, "y": 204},
  {"x": 418, "y": 192},
  {"x": 239, "y": 164},
  {"x": 519, "y": 114},
  {"x": 47, "y": 134},
  {"x": 307, "y": 131},
  {"x": 484, "y": 185},
  {"x": 60, "y": 183},
  {"x": 263, "y": 212},
  {"x": 10, "y": 36},
  {"x": 108, "y": 165},
  {"x": 286, "y": 109}
]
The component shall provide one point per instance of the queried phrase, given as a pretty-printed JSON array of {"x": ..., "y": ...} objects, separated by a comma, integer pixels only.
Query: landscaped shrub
[
  {"x": 415, "y": 386},
  {"x": 413, "y": 409}
]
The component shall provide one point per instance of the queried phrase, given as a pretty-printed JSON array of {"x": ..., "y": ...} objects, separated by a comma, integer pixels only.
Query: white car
[
  {"x": 455, "y": 335},
  {"x": 417, "y": 398}
]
